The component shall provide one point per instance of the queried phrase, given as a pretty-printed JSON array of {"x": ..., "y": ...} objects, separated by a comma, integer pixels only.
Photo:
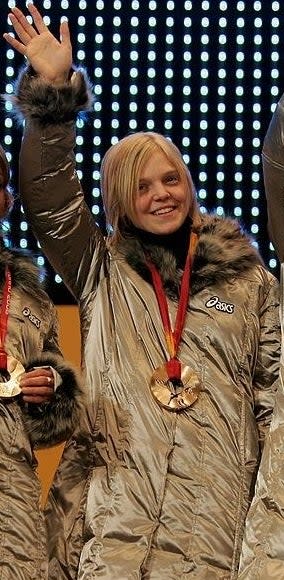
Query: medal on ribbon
[{"x": 174, "y": 385}]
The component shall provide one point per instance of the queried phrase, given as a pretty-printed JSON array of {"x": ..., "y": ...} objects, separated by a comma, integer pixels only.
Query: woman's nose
[{"x": 160, "y": 192}]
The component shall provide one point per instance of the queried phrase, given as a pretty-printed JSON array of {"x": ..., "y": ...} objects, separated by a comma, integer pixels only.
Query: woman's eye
[{"x": 172, "y": 179}]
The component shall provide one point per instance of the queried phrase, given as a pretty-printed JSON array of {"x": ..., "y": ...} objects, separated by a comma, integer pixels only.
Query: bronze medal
[
  {"x": 175, "y": 385},
  {"x": 10, "y": 387},
  {"x": 175, "y": 395}
]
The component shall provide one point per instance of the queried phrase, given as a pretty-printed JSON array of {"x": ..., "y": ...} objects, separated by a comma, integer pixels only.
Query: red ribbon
[
  {"x": 173, "y": 337},
  {"x": 4, "y": 317}
]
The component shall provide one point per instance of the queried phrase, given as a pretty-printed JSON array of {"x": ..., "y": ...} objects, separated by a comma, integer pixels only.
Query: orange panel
[{"x": 70, "y": 344}]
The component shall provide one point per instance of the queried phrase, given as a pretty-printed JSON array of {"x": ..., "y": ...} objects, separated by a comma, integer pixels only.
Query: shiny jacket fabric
[
  {"x": 32, "y": 338},
  {"x": 263, "y": 549},
  {"x": 142, "y": 492}
]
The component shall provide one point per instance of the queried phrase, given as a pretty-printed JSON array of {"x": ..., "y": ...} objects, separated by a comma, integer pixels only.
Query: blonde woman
[{"x": 180, "y": 341}]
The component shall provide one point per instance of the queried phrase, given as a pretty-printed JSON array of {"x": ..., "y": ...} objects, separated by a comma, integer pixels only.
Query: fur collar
[
  {"x": 25, "y": 274},
  {"x": 224, "y": 251}
]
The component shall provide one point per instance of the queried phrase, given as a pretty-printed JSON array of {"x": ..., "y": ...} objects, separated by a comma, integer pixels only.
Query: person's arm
[
  {"x": 263, "y": 545},
  {"x": 50, "y": 190},
  {"x": 266, "y": 374},
  {"x": 273, "y": 173},
  {"x": 49, "y": 98},
  {"x": 262, "y": 555},
  {"x": 50, "y": 411}
]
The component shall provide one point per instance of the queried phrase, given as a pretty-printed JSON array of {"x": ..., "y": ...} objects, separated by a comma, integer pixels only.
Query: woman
[
  {"x": 38, "y": 403},
  {"x": 180, "y": 337}
]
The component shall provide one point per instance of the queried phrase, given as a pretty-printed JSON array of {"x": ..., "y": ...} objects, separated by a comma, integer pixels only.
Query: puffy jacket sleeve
[
  {"x": 53, "y": 422},
  {"x": 273, "y": 172},
  {"x": 263, "y": 545},
  {"x": 52, "y": 197},
  {"x": 266, "y": 374}
]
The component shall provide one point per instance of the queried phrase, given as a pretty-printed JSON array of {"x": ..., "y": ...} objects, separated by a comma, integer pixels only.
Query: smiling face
[
  {"x": 163, "y": 199},
  {"x": 145, "y": 182}
]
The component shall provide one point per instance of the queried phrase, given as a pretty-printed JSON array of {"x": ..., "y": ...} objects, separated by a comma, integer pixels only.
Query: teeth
[{"x": 164, "y": 210}]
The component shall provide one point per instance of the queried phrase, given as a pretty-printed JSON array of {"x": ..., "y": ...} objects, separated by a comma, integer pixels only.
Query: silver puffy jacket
[
  {"x": 32, "y": 339},
  {"x": 263, "y": 548},
  {"x": 142, "y": 492}
]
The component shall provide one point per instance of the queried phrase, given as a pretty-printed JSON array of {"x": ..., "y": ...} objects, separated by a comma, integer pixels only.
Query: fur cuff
[
  {"x": 37, "y": 100},
  {"x": 53, "y": 422}
]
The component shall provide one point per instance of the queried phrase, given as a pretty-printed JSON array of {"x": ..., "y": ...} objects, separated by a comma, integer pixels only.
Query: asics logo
[
  {"x": 27, "y": 312},
  {"x": 215, "y": 302}
]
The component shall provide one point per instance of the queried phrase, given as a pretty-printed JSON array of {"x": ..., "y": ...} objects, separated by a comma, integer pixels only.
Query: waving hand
[{"x": 50, "y": 58}]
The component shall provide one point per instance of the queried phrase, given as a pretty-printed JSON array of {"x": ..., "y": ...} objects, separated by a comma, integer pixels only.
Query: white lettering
[{"x": 215, "y": 302}]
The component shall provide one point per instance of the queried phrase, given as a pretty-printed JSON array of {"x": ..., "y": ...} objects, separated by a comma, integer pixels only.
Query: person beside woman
[
  {"x": 263, "y": 549},
  {"x": 39, "y": 402},
  {"x": 180, "y": 335}
]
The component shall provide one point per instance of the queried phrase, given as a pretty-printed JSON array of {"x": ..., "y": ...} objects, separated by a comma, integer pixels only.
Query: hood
[
  {"x": 25, "y": 274},
  {"x": 224, "y": 251}
]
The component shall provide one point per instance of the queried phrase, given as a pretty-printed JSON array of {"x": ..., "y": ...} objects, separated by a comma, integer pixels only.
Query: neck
[{"x": 176, "y": 243}]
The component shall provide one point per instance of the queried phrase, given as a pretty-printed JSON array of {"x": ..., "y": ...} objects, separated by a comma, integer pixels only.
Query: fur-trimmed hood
[
  {"x": 25, "y": 274},
  {"x": 224, "y": 251}
]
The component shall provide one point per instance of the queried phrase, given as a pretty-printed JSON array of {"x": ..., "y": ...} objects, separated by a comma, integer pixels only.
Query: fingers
[
  {"x": 38, "y": 390},
  {"x": 65, "y": 34},
  {"x": 37, "y": 18},
  {"x": 15, "y": 43},
  {"x": 36, "y": 398},
  {"x": 37, "y": 387},
  {"x": 21, "y": 25},
  {"x": 37, "y": 379},
  {"x": 23, "y": 29}
]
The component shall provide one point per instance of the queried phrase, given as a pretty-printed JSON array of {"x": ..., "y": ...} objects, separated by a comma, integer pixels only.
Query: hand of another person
[
  {"x": 37, "y": 386},
  {"x": 50, "y": 58}
]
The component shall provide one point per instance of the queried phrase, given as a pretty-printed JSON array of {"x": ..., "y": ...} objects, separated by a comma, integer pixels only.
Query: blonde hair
[
  {"x": 4, "y": 182},
  {"x": 120, "y": 173}
]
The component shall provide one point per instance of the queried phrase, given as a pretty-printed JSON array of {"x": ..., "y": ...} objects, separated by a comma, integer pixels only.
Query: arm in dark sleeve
[
  {"x": 50, "y": 190},
  {"x": 266, "y": 375},
  {"x": 273, "y": 173},
  {"x": 52, "y": 422}
]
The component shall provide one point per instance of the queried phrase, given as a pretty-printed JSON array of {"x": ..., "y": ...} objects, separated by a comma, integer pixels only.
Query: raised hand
[{"x": 49, "y": 57}]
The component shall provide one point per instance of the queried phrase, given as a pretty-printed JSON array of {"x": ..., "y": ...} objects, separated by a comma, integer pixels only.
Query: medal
[
  {"x": 175, "y": 394},
  {"x": 9, "y": 387},
  {"x": 175, "y": 386}
]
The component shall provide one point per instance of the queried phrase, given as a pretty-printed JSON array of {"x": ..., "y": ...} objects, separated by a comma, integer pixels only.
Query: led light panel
[{"x": 207, "y": 74}]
